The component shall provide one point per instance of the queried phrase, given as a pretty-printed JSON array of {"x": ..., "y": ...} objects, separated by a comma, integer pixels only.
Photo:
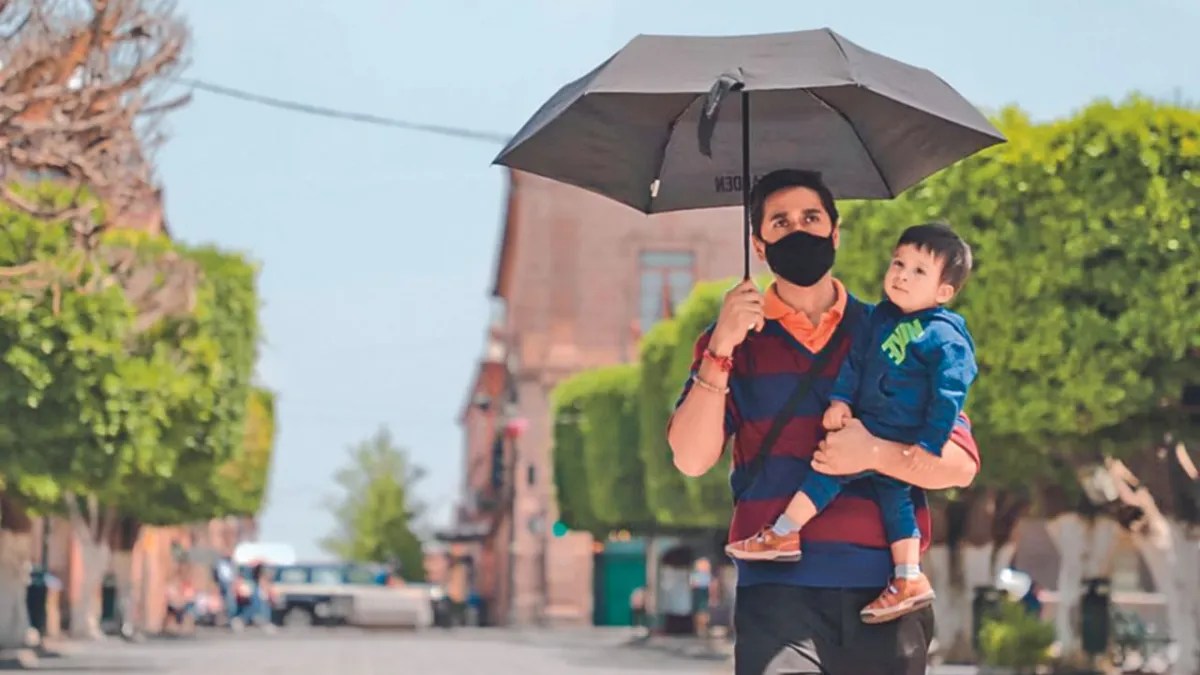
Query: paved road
[{"x": 584, "y": 652}]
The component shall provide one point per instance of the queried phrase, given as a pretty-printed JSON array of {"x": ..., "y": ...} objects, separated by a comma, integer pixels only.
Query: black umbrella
[{"x": 648, "y": 127}]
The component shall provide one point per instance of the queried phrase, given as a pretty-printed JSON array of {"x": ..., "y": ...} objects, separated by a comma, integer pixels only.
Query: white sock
[{"x": 784, "y": 525}]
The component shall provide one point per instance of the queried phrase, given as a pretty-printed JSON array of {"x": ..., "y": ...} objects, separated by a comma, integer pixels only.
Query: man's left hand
[{"x": 846, "y": 452}]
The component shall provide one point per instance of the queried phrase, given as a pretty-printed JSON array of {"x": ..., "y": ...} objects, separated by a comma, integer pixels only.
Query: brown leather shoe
[
  {"x": 901, "y": 597},
  {"x": 766, "y": 546}
]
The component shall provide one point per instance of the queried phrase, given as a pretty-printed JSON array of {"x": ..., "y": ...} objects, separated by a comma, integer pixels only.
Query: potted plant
[{"x": 1014, "y": 642}]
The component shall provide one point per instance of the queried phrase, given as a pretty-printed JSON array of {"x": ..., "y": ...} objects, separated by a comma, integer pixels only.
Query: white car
[{"x": 346, "y": 594}]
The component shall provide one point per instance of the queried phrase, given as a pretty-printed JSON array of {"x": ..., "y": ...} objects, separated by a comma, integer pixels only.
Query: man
[{"x": 762, "y": 374}]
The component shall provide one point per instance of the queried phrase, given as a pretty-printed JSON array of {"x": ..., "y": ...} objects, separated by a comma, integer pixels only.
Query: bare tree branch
[
  {"x": 80, "y": 83},
  {"x": 82, "y": 97}
]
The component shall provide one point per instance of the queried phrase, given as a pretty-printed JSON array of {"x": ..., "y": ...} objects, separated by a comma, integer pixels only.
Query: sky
[{"x": 378, "y": 245}]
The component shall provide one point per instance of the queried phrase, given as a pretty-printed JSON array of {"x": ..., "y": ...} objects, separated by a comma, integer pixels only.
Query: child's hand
[{"x": 836, "y": 416}]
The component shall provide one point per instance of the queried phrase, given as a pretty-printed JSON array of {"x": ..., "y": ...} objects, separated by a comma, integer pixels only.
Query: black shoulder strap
[{"x": 788, "y": 411}]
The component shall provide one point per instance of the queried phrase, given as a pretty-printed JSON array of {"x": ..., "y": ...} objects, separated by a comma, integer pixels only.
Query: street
[{"x": 349, "y": 652}]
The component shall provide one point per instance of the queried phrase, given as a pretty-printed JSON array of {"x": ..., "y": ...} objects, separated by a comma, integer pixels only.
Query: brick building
[{"x": 578, "y": 279}]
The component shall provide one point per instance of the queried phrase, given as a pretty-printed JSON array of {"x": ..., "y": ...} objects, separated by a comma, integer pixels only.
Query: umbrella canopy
[{"x": 636, "y": 129}]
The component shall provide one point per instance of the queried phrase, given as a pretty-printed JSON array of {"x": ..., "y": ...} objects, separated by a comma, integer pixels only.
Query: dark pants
[{"x": 787, "y": 630}]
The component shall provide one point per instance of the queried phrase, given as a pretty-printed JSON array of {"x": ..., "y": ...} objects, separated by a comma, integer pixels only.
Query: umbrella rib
[
  {"x": 866, "y": 148},
  {"x": 662, "y": 156}
]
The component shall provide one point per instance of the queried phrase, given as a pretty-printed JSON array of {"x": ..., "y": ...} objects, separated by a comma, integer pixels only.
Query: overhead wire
[{"x": 334, "y": 113}]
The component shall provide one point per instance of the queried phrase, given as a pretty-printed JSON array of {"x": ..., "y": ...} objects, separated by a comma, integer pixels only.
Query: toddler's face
[{"x": 914, "y": 280}]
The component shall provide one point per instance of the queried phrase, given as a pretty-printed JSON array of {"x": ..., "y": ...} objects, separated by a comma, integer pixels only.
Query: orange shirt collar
[{"x": 797, "y": 323}]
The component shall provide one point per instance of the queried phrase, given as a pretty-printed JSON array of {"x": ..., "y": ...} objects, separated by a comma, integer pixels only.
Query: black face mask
[{"x": 801, "y": 258}]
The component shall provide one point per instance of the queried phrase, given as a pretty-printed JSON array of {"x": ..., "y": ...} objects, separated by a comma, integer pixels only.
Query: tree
[
  {"x": 598, "y": 473},
  {"x": 377, "y": 509},
  {"x": 243, "y": 479},
  {"x": 109, "y": 414},
  {"x": 1083, "y": 304},
  {"x": 666, "y": 489},
  {"x": 130, "y": 358},
  {"x": 571, "y": 479},
  {"x": 76, "y": 404},
  {"x": 81, "y": 94},
  {"x": 79, "y": 107},
  {"x": 216, "y": 346}
]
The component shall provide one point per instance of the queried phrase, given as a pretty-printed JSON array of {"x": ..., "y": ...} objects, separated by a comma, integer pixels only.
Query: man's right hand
[{"x": 741, "y": 312}]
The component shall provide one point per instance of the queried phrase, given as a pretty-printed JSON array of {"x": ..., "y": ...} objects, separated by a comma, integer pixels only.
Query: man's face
[{"x": 794, "y": 209}]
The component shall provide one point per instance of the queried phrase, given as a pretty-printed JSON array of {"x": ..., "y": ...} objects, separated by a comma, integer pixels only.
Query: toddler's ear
[{"x": 945, "y": 293}]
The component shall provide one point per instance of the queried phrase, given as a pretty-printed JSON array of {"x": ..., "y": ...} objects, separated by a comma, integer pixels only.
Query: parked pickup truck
[{"x": 345, "y": 594}]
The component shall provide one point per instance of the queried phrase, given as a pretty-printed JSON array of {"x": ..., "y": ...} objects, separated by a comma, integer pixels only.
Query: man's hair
[
  {"x": 783, "y": 179},
  {"x": 945, "y": 245}
]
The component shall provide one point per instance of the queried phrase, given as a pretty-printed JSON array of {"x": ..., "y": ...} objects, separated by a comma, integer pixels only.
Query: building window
[{"x": 667, "y": 278}]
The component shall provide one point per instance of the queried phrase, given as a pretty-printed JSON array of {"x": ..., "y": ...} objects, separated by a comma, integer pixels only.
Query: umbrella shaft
[{"x": 746, "y": 181}]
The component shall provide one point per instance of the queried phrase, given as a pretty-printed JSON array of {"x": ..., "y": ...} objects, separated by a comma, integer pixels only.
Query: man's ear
[
  {"x": 760, "y": 247},
  {"x": 837, "y": 234}
]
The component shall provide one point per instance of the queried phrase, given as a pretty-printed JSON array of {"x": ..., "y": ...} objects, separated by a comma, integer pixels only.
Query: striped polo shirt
[{"x": 844, "y": 546}]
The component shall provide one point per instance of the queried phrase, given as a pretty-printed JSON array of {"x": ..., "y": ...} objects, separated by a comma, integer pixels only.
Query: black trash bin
[
  {"x": 986, "y": 605},
  {"x": 443, "y": 612},
  {"x": 108, "y": 600},
  {"x": 35, "y": 601},
  {"x": 1095, "y": 611}
]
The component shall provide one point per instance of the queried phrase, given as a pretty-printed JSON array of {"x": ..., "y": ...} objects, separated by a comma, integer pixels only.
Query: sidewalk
[
  {"x": 34, "y": 658},
  {"x": 686, "y": 646},
  {"x": 721, "y": 649}
]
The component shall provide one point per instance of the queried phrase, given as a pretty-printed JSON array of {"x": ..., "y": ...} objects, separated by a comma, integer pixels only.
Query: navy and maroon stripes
[{"x": 844, "y": 546}]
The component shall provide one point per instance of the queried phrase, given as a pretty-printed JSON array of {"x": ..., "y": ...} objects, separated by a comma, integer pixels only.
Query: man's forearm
[
  {"x": 955, "y": 468},
  {"x": 696, "y": 432}
]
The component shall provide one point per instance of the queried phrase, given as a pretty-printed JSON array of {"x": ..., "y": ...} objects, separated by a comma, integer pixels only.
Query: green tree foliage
[
  {"x": 570, "y": 467},
  {"x": 376, "y": 510},
  {"x": 1084, "y": 302},
  {"x": 77, "y": 406},
  {"x": 666, "y": 489},
  {"x": 598, "y": 469},
  {"x": 244, "y": 476},
  {"x": 215, "y": 348},
  {"x": 99, "y": 401}
]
